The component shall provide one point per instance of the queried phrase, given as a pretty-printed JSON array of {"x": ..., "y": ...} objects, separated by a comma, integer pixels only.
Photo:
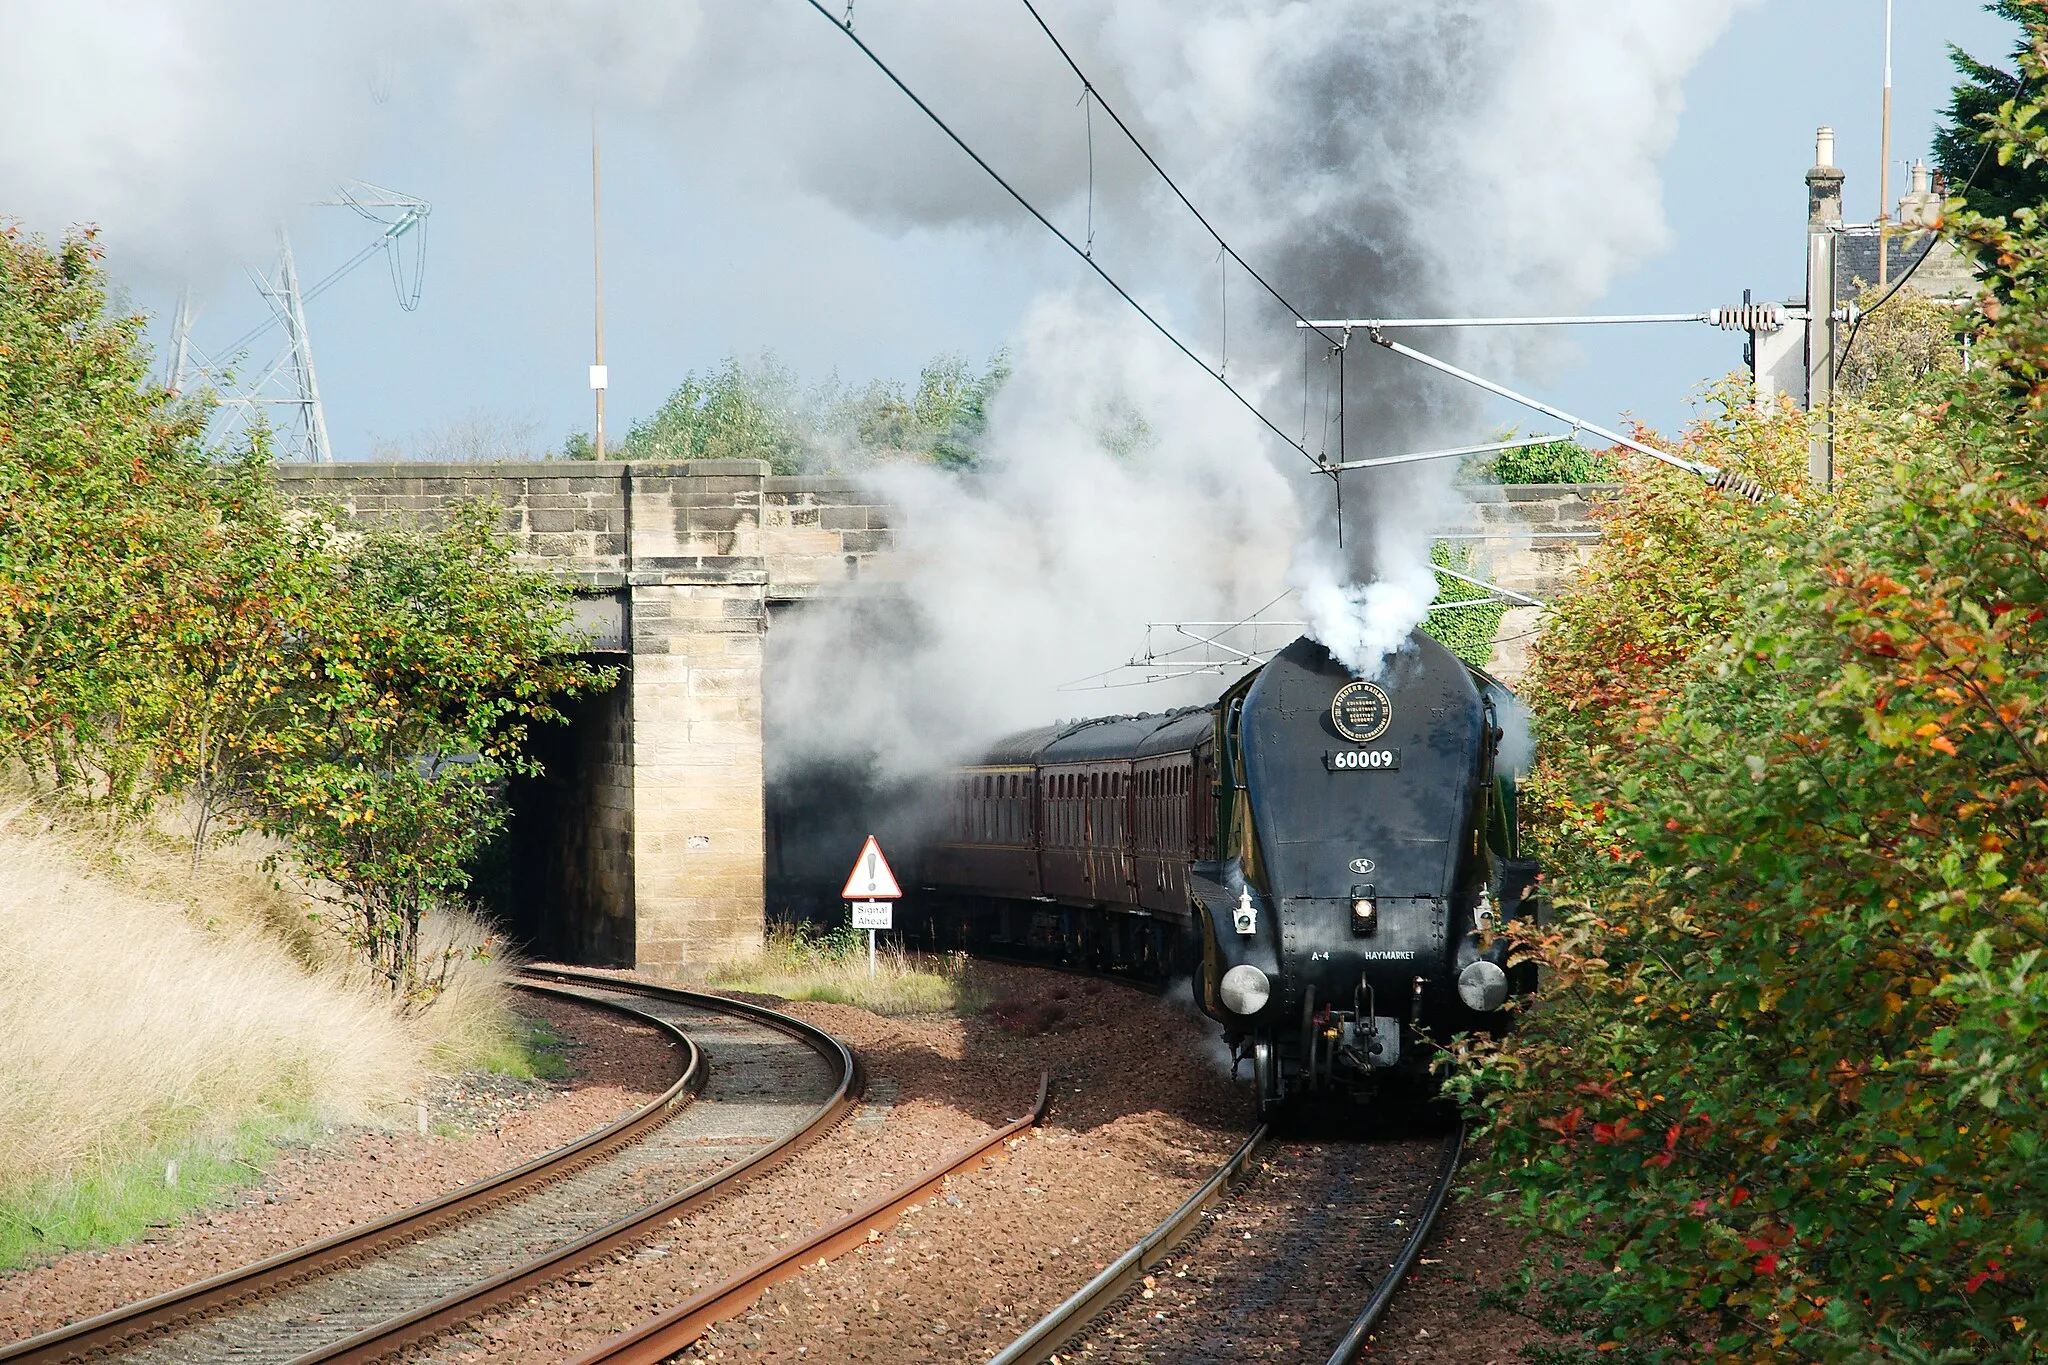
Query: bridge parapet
[{"x": 615, "y": 524}]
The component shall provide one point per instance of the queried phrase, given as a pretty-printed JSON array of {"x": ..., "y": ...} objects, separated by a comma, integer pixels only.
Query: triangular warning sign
[{"x": 871, "y": 879}]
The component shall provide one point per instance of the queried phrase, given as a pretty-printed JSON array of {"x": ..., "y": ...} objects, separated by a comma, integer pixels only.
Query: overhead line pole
[
  {"x": 1884, "y": 166},
  {"x": 600, "y": 378}
]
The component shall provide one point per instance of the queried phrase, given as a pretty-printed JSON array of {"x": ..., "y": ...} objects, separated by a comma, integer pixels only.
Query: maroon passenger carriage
[{"x": 1099, "y": 812}]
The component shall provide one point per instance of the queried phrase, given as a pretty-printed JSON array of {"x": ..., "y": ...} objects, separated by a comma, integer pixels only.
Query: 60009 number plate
[{"x": 1362, "y": 760}]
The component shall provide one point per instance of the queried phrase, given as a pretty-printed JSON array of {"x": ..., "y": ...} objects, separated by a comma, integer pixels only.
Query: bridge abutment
[
  {"x": 699, "y": 849},
  {"x": 644, "y": 844}
]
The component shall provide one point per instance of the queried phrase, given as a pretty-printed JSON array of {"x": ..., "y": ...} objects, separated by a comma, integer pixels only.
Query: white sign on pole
[
  {"x": 871, "y": 886},
  {"x": 871, "y": 879}
]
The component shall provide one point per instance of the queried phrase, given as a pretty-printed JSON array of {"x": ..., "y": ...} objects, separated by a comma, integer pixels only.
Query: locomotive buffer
[{"x": 869, "y": 889}]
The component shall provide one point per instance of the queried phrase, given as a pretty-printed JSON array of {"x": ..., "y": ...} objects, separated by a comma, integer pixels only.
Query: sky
[{"x": 707, "y": 255}]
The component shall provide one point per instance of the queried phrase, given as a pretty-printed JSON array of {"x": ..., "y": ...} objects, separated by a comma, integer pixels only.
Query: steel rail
[
  {"x": 1059, "y": 1328},
  {"x": 1053, "y": 1331},
  {"x": 110, "y": 1333},
  {"x": 175, "y": 1307},
  {"x": 1352, "y": 1348},
  {"x": 398, "y": 1333},
  {"x": 658, "y": 1339}
]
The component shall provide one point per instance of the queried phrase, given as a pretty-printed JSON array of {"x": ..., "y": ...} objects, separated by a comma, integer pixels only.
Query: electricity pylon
[{"x": 289, "y": 382}]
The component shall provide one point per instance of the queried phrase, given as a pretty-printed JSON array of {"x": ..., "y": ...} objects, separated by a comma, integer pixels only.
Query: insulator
[
  {"x": 1750, "y": 317},
  {"x": 1729, "y": 481}
]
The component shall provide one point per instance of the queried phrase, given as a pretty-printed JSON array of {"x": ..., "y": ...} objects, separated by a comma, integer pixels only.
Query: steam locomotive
[{"x": 1328, "y": 858}]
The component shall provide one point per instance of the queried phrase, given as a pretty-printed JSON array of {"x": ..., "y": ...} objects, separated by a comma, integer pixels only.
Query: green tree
[
  {"x": 942, "y": 420},
  {"x": 720, "y": 416},
  {"x": 2000, "y": 186},
  {"x": 231, "y": 641},
  {"x": 169, "y": 627},
  {"x": 952, "y": 406},
  {"x": 430, "y": 657},
  {"x": 1900, "y": 349},
  {"x": 1551, "y": 462},
  {"x": 105, "y": 496}
]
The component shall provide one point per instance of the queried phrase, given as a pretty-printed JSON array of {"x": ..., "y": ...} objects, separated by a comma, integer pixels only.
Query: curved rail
[
  {"x": 136, "y": 1325},
  {"x": 1352, "y": 1347},
  {"x": 657, "y": 1340},
  {"x": 1046, "y": 1336}
]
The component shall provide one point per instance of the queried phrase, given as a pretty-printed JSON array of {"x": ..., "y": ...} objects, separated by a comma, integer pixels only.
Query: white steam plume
[
  {"x": 1371, "y": 156},
  {"x": 1042, "y": 565}
]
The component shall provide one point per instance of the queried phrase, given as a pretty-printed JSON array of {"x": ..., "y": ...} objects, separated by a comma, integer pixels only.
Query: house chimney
[
  {"x": 1824, "y": 183},
  {"x": 1921, "y": 207}
]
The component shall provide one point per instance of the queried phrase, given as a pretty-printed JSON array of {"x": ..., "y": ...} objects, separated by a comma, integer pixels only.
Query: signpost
[{"x": 870, "y": 888}]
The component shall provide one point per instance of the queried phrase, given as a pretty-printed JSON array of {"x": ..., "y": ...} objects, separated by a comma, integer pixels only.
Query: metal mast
[
  {"x": 181, "y": 343},
  {"x": 312, "y": 419},
  {"x": 599, "y": 376},
  {"x": 1884, "y": 166}
]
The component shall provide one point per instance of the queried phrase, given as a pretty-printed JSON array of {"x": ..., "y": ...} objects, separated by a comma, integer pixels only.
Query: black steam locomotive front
[{"x": 1366, "y": 855}]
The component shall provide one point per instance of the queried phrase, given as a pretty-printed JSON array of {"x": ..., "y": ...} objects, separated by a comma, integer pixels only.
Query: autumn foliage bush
[
  {"x": 172, "y": 631},
  {"x": 1785, "y": 1095}
]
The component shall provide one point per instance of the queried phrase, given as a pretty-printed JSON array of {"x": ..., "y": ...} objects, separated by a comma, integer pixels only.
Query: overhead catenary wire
[
  {"x": 1065, "y": 240},
  {"x": 1153, "y": 162}
]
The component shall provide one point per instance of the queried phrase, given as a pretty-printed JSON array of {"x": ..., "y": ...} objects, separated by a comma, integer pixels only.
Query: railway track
[
  {"x": 756, "y": 1087},
  {"x": 658, "y": 1339},
  {"x": 1269, "y": 1260}
]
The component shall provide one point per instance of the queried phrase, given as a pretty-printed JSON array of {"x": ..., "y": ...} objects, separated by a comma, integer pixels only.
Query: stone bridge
[{"x": 646, "y": 842}]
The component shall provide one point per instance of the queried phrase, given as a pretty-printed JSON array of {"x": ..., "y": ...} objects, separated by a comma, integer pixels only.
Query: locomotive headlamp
[
  {"x": 1245, "y": 989},
  {"x": 1244, "y": 916},
  {"x": 1365, "y": 910},
  {"x": 1482, "y": 986}
]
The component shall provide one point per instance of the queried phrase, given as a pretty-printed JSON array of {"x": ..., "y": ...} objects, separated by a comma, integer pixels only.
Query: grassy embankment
[
  {"x": 165, "y": 1030},
  {"x": 798, "y": 962}
]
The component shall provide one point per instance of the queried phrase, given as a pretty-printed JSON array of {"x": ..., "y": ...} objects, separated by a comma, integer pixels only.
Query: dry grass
[
  {"x": 152, "y": 1015},
  {"x": 799, "y": 963},
  {"x": 127, "y": 1025}
]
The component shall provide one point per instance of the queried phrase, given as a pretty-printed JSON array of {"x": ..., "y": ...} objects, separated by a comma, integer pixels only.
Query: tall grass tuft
[
  {"x": 800, "y": 962},
  {"x": 162, "y": 1030}
]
